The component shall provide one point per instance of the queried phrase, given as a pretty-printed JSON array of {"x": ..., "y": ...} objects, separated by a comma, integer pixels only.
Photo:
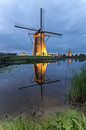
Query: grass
[
  {"x": 26, "y": 59},
  {"x": 37, "y": 58},
  {"x": 77, "y": 93},
  {"x": 69, "y": 120}
]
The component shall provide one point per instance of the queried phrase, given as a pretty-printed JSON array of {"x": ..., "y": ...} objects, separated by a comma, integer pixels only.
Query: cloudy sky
[{"x": 64, "y": 16}]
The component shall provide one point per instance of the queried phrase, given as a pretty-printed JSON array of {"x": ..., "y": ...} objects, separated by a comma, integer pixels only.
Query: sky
[{"x": 63, "y": 16}]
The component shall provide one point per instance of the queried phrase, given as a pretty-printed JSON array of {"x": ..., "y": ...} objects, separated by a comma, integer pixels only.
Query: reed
[
  {"x": 77, "y": 93},
  {"x": 69, "y": 120}
]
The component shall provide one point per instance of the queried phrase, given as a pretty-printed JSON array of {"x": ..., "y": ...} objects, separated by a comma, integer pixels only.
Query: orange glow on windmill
[{"x": 39, "y": 45}]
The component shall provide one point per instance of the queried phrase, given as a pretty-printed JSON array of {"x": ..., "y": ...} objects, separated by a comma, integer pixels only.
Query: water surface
[{"x": 43, "y": 86}]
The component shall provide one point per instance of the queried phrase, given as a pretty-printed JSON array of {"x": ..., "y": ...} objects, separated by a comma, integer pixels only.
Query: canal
[{"x": 30, "y": 88}]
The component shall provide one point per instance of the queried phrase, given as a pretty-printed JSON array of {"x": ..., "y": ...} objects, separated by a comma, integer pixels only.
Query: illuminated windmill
[{"x": 39, "y": 48}]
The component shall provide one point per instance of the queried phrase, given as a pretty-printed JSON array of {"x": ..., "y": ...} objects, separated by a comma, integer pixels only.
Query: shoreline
[{"x": 37, "y": 59}]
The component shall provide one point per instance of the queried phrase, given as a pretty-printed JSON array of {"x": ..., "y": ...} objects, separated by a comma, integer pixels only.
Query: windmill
[{"x": 39, "y": 48}]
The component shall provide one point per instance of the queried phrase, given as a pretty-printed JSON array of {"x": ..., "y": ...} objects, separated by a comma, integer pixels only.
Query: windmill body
[{"x": 39, "y": 45}]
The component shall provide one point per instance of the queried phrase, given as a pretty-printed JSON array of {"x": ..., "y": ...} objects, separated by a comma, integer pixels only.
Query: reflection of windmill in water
[
  {"x": 39, "y": 48},
  {"x": 40, "y": 70},
  {"x": 69, "y": 55},
  {"x": 70, "y": 61},
  {"x": 40, "y": 77}
]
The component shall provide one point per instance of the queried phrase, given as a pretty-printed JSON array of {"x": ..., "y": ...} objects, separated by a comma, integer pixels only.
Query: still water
[{"x": 40, "y": 87}]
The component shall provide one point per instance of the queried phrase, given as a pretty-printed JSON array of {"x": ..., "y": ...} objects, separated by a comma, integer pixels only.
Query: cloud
[{"x": 63, "y": 16}]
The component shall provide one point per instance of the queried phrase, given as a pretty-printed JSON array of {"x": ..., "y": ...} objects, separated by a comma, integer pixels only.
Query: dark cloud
[{"x": 67, "y": 17}]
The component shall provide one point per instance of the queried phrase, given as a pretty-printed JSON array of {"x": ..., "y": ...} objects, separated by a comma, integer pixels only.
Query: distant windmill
[{"x": 39, "y": 48}]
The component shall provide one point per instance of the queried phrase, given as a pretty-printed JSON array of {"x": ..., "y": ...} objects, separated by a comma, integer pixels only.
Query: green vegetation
[
  {"x": 69, "y": 120},
  {"x": 25, "y": 59},
  {"x": 78, "y": 90},
  {"x": 15, "y": 59}
]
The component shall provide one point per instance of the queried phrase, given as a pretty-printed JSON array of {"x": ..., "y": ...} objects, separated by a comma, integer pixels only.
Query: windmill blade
[
  {"x": 41, "y": 28},
  {"x": 41, "y": 93},
  {"x": 22, "y": 27},
  {"x": 47, "y": 38},
  {"x": 28, "y": 86},
  {"x": 30, "y": 38},
  {"x": 30, "y": 33},
  {"x": 32, "y": 77},
  {"x": 53, "y": 33},
  {"x": 48, "y": 82},
  {"x": 47, "y": 77},
  {"x": 41, "y": 18},
  {"x": 54, "y": 81}
]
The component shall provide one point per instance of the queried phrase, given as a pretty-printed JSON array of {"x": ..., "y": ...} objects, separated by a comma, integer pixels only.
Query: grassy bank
[
  {"x": 32, "y": 59},
  {"x": 69, "y": 120},
  {"x": 78, "y": 90},
  {"x": 26, "y": 59}
]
